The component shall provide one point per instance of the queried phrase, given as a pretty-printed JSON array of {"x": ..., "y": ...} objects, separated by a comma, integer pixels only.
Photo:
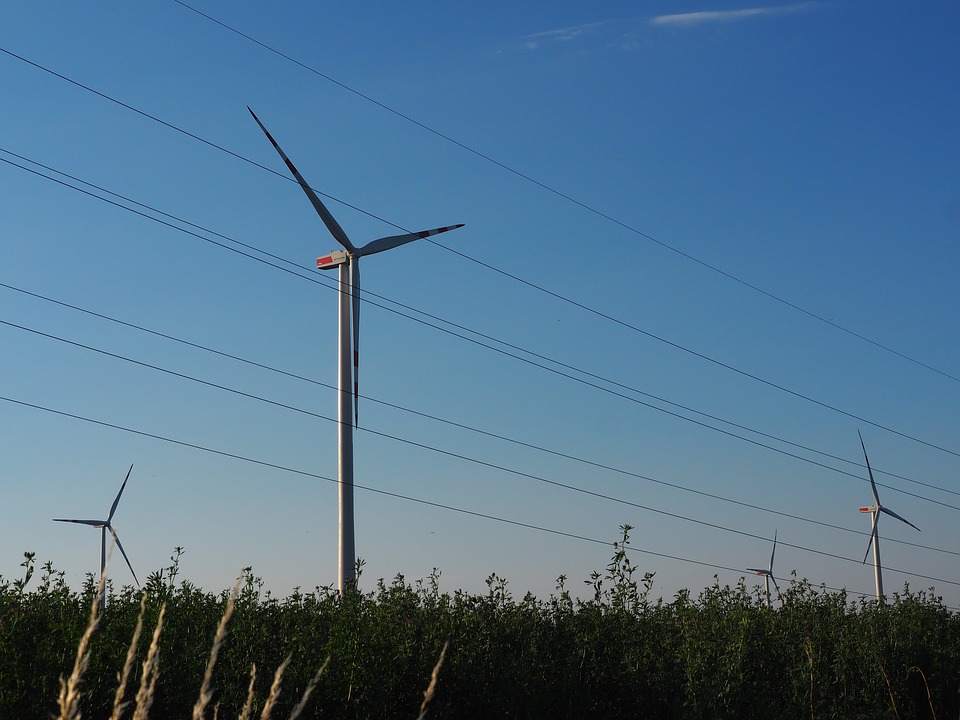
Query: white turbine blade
[
  {"x": 113, "y": 508},
  {"x": 388, "y": 243},
  {"x": 873, "y": 485},
  {"x": 758, "y": 571},
  {"x": 355, "y": 296},
  {"x": 93, "y": 523},
  {"x": 116, "y": 539},
  {"x": 891, "y": 513},
  {"x": 332, "y": 225},
  {"x": 775, "y": 583}
]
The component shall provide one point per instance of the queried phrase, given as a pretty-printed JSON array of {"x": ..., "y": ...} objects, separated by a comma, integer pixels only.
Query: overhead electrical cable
[
  {"x": 569, "y": 198},
  {"x": 442, "y": 506},
  {"x": 317, "y": 278},
  {"x": 452, "y": 423},
  {"x": 528, "y": 283},
  {"x": 191, "y": 135},
  {"x": 458, "y": 456},
  {"x": 158, "y": 220}
]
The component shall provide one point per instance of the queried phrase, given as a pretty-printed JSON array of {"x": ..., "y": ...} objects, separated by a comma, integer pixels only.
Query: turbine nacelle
[{"x": 332, "y": 260}]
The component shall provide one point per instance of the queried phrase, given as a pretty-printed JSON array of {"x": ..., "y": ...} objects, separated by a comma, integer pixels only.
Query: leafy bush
[{"x": 616, "y": 655}]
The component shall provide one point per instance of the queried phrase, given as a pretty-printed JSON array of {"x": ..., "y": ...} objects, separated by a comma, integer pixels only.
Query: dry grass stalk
[
  {"x": 69, "y": 699},
  {"x": 295, "y": 713},
  {"x": 274, "y": 689},
  {"x": 808, "y": 647},
  {"x": 927, "y": 686},
  {"x": 118, "y": 704},
  {"x": 151, "y": 669},
  {"x": 205, "y": 693},
  {"x": 245, "y": 713},
  {"x": 890, "y": 691},
  {"x": 431, "y": 688}
]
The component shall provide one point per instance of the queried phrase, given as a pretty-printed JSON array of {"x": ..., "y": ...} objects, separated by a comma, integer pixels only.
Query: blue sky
[{"x": 743, "y": 215}]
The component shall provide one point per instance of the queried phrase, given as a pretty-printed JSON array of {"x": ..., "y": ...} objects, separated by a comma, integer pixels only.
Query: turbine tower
[
  {"x": 348, "y": 262},
  {"x": 768, "y": 573},
  {"x": 105, "y": 525},
  {"x": 875, "y": 511}
]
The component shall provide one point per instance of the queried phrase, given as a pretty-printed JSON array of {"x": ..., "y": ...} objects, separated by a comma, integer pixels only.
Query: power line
[
  {"x": 408, "y": 498},
  {"x": 532, "y": 285},
  {"x": 190, "y": 135},
  {"x": 316, "y": 279},
  {"x": 569, "y": 198},
  {"x": 447, "y": 453},
  {"x": 469, "y": 428}
]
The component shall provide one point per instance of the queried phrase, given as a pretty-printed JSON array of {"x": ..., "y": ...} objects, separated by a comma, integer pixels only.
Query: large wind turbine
[
  {"x": 768, "y": 573},
  {"x": 348, "y": 261},
  {"x": 875, "y": 511},
  {"x": 105, "y": 525}
]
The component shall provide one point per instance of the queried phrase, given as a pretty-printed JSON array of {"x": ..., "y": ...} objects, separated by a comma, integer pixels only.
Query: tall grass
[{"x": 69, "y": 699}]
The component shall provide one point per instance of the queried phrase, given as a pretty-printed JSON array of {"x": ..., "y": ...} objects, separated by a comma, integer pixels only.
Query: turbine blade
[
  {"x": 388, "y": 243},
  {"x": 873, "y": 485},
  {"x": 113, "y": 508},
  {"x": 775, "y": 583},
  {"x": 891, "y": 513},
  {"x": 355, "y": 296},
  {"x": 873, "y": 539},
  {"x": 774, "y": 550},
  {"x": 758, "y": 571},
  {"x": 116, "y": 539},
  {"x": 94, "y": 523},
  {"x": 332, "y": 225}
]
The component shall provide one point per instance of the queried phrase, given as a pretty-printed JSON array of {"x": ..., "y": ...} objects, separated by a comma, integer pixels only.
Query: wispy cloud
[
  {"x": 714, "y": 16},
  {"x": 534, "y": 41}
]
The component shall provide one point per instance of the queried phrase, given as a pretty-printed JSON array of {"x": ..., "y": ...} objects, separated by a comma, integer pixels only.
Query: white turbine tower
[
  {"x": 105, "y": 525},
  {"x": 768, "y": 573},
  {"x": 348, "y": 262},
  {"x": 875, "y": 511}
]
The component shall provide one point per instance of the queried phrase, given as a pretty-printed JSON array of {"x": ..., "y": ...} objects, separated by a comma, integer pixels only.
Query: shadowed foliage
[{"x": 723, "y": 654}]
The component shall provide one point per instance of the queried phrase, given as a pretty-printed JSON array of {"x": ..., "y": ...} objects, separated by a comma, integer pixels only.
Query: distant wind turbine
[
  {"x": 105, "y": 525},
  {"x": 348, "y": 261},
  {"x": 768, "y": 573},
  {"x": 875, "y": 511}
]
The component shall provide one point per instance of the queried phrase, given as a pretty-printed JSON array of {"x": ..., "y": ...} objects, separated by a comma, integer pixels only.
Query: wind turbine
[
  {"x": 105, "y": 525},
  {"x": 348, "y": 262},
  {"x": 768, "y": 573},
  {"x": 875, "y": 511}
]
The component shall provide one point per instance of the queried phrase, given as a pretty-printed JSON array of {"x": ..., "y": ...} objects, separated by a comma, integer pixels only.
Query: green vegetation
[{"x": 616, "y": 655}]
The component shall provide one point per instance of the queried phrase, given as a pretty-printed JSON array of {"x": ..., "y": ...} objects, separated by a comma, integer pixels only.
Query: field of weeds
[{"x": 405, "y": 649}]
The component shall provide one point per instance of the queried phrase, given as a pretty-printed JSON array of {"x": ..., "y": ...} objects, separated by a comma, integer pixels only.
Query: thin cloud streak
[
  {"x": 712, "y": 16},
  {"x": 532, "y": 42}
]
